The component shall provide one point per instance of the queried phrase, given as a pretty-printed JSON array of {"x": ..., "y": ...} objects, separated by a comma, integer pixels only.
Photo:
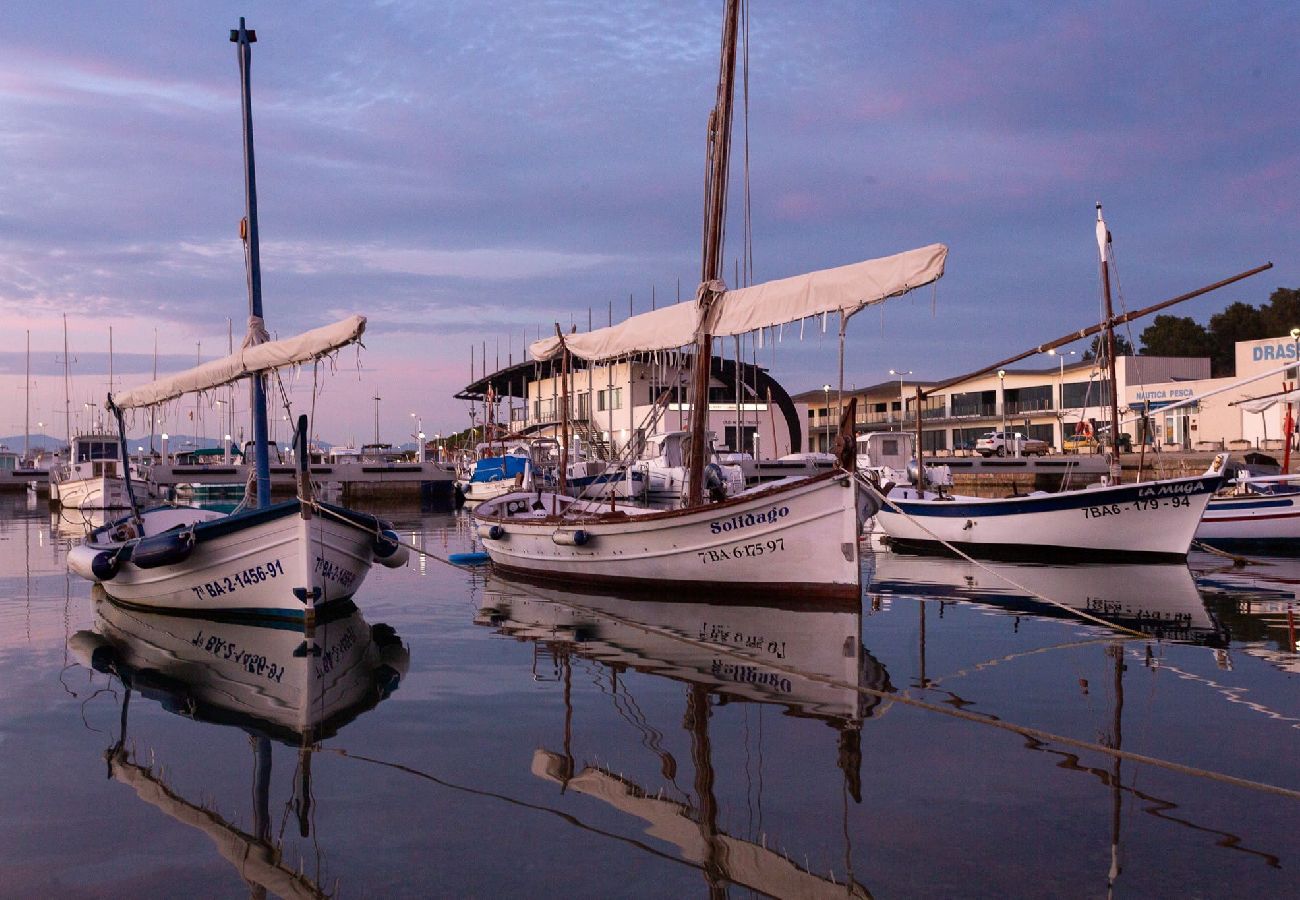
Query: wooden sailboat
[
  {"x": 797, "y": 534},
  {"x": 287, "y": 560},
  {"x": 1110, "y": 520}
]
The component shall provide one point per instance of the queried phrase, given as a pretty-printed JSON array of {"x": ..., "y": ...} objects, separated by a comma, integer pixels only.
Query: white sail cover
[
  {"x": 257, "y": 358},
  {"x": 845, "y": 290},
  {"x": 1263, "y": 404}
]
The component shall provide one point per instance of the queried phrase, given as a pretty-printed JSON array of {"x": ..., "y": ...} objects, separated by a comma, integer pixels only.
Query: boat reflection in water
[
  {"x": 290, "y": 684},
  {"x": 723, "y": 653},
  {"x": 1260, "y": 602},
  {"x": 1156, "y": 599}
]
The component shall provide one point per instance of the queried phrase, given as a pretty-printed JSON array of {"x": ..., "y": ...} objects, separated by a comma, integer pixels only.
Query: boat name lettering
[
  {"x": 749, "y": 519},
  {"x": 1165, "y": 490},
  {"x": 333, "y": 655},
  {"x": 252, "y": 663},
  {"x": 751, "y": 675},
  {"x": 741, "y": 551},
  {"x": 721, "y": 634},
  {"x": 246, "y": 578},
  {"x": 334, "y": 572}
]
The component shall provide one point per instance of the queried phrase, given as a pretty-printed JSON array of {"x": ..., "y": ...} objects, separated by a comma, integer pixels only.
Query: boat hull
[
  {"x": 1265, "y": 520},
  {"x": 798, "y": 537},
  {"x": 267, "y": 563},
  {"x": 99, "y": 492},
  {"x": 1155, "y": 520}
]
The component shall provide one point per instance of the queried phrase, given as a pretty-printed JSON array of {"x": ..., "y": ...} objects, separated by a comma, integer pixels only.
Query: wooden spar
[
  {"x": 1090, "y": 331},
  {"x": 715, "y": 206}
]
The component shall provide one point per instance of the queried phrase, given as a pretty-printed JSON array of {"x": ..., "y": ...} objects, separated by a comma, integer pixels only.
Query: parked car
[{"x": 998, "y": 443}]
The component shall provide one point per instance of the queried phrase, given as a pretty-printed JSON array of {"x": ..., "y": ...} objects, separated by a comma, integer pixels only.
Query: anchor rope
[{"x": 1023, "y": 730}]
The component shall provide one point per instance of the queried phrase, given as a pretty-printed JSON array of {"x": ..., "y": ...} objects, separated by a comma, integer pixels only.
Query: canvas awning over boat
[
  {"x": 844, "y": 290},
  {"x": 250, "y": 360},
  {"x": 1263, "y": 404}
]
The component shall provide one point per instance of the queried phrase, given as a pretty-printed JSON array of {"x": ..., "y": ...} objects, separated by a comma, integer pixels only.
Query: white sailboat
[
  {"x": 1109, "y": 520},
  {"x": 289, "y": 560},
  {"x": 797, "y": 534},
  {"x": 93, "y": 477}
]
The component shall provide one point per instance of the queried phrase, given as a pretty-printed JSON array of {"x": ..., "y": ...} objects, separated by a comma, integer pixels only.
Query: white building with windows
[
  {"x": 614, "y": 407},
  {"x": 1051, "y": 403}
]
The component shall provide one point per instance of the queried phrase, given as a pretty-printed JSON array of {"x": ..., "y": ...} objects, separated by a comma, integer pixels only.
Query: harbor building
[
  {"x": 1058, "y": 402},
  {"x": 615, "y": 406}
]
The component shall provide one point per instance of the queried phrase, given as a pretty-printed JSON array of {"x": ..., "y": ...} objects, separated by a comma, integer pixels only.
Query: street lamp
[
  {"x": 1002, "y": 397},
  {"x": 826, "y": 415},
  {"x": 902, "y": 401},
  {"x": 1060, "y": 389}
]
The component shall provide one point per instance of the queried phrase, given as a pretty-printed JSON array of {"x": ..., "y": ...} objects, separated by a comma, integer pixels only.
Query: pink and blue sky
[{"x": 467, "y": 173}]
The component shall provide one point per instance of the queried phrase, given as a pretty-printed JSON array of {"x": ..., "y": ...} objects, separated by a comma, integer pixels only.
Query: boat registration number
[
  {"x": 252, "y": 663},
  {"x": 1147, "y": 505},
  {"x": 246, "y": 578},
  {"x": 742, "y": 551},
  {"x": 334, "y": 572}
]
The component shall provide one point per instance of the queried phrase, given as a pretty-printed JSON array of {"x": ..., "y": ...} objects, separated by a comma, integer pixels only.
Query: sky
[{"x": 468, "y": 174}]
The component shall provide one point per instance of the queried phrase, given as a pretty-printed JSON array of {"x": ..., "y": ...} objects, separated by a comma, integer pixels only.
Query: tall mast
[
  {"x": 245, "y": 40},
  {"x": 67, "y": 389},
  {"x": 715, "y": 213},
  {"x": 27, "y": 413},
  {"x": 153, "y": 410},
  {"x": 1103, "y": 247}
]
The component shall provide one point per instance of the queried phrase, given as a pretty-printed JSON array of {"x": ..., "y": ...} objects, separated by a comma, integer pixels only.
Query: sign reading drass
[
  {"x": 247, "y": 578},
  {"x": 747, "y": 520}
]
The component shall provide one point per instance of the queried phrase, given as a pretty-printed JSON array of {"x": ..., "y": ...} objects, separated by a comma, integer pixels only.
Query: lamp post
[
  {"x": 419, "y": 436},
  {"x": 902, "y": 401},
  {"x": 1060, "y": 389},
  {"x": 826, "y": 416},
  {"x": 1002, "y": 401}
]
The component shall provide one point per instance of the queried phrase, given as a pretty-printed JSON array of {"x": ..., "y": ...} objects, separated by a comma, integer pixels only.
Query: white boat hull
[
  {"x": 99, "y": 492},
  {"x": 1265, "y": 519},
  {"x": 1153, "y": 519},
  {"x": 796, "y": 536},
  {"x": 267, "y": 563}
]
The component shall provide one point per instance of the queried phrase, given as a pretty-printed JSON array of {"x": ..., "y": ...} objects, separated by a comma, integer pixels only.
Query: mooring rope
[{"x": 1023, "y": 730}]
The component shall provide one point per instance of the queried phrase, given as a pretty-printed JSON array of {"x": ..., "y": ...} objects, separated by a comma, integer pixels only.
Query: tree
[
  {"x": 1176, "y": 336},
  {"x": 1281, "y": 313},
  {"x": 1122, "y": 347},
  {"x": 1238, "y": 322}
]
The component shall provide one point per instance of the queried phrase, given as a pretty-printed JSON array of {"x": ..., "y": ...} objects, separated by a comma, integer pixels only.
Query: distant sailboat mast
[
  {"x": 1103, "y": 247},
  {"x": 67, "y": 388},
  {"x": 27, "y": 414}
]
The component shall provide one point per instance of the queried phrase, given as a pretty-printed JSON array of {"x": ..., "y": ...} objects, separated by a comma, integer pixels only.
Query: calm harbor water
[{"x": 465, "y": 735}]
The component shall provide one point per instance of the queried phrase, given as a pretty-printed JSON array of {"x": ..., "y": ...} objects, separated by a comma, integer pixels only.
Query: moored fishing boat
[
  {"x": 286, "y": 561},
  {"x": 796, "y": 534},
  {"x": 1151, "y": 519}
]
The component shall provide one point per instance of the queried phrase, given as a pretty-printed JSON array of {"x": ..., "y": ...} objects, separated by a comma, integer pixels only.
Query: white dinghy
[
  {"x": 284, "y": 561},
  {"x": 798, "y": 534}
]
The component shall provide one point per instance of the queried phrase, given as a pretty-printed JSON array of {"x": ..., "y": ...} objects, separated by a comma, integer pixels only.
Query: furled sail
[
  {"x": 845, "y": 290},
  {"x": 250, "y": 360}
]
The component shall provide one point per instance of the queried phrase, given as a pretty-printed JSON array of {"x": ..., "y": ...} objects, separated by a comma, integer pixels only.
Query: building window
[{"x": 609, "y": 399}]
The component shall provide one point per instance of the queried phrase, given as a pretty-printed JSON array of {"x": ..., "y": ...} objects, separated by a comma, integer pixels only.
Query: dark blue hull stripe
[{"x": 1068, "y": 500}]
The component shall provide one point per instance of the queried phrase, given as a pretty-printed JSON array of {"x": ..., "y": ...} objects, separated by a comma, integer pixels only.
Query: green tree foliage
[
  {"x": 1176, "y": 336},
  {"x": 1282, "y": 312},
  {"x": 1183, "y": 336},
  {"x": 1238, "y": 322},
  {"x": 1122, "y": 347}
]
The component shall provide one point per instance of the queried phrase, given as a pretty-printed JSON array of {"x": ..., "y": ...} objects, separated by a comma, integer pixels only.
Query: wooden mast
[
  {"x": 715, "y": 210},
  {"x": 1103, "y": 246}
]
